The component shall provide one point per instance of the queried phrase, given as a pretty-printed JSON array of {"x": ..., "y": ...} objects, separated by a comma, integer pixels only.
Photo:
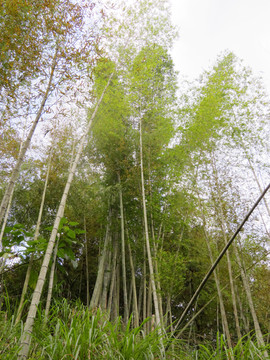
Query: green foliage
[
  {"x": 15, "y": 240},
  {"x": 207, "y": 110},
  {"x": 246, "y": 349},
  {"x": 74, "y": 331},
  {"x": 171, "y": 263},
  {"x": 67, "y": 232}
]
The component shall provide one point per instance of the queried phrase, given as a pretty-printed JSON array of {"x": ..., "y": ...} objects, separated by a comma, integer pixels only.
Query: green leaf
[
  {"x": 61, "y": 253},
  {"x": 69, "y": 254},
  {"x": 73, "y": 223},
  {"x": 71, "y": 234}
]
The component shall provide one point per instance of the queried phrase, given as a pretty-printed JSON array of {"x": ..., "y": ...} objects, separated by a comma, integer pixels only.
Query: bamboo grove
[{"x": 120, "y": 183}]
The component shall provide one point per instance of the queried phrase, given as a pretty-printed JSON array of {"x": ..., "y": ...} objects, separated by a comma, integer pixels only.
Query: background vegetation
[{"x": 120, "y": 186}]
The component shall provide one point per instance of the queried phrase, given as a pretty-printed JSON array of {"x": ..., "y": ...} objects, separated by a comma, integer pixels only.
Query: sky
[{"x": 209, "y": 27}]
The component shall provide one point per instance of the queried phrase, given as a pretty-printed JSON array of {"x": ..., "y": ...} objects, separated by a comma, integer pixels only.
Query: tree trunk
[
  {"x": 255, "y": 177},
  {"x": 2, "y": 260},
  {"x": 144, "y": 311},
  {"x": 259, "y": 335},
  {"x": 220, "y": 297},
  {"x": 86, "y": 265},
  {"x": 51, "y": 281},
  {"x": 133, "y": 280},
  {"x": 123, "y": 254},
  {"x": 106, "y": 283},
  {"x": 224, "y": 319},
  {"x": 113, "y": 278},
  {"x": 115, "y": 304},
  {"x": 244, "y": 320},
  {"x": 140, "y": 299},
  {"x": 258, "y": 332},
  {"x": 149, "y": 306},
  {"x": 148, "y": 248},
  {"x": 101, "y": 267},
  {"x": 15, "y": 173},
  {"x": 221, "y": 219},
  {"x": 25, "y": 339},
  {"x": 36, "y": 235}
]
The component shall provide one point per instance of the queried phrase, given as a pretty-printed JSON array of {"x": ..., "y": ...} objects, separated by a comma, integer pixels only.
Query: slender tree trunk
[
  {"x": 129, "y": 298},
  {"x": 123, "y": 253},
  {"x": 140, "y": 299},
  {"x": 25, "y": 339},
  {"x": 149, "y": 306},
  {"x": 51, "y": 281},
  {"x": 106, "y": 283},
  {"x": 15, "y": 173},
  {"x": 115, "y": 304},
  {"x": 133, "y": 280},
  {"x": 144, "y": 311},
  {"x": 166, "y": 316},
  {"x": 101, "y": 267},
  {"x": 221, "y": 218},
  {"x": 258, "y": 332},
  {"x": 2, "y": 260},
  {"x": 224, "y": 319},
  {"x": 256, "y": 178},
  {"x": 257, "y": 328},
  {"x": 86, "y": 265},
  {"x": 113, "y": 278},
  {"x": 155, "y": 246},
  {"x": 148, "y": 248},
  {"x": 244, "y": 320},
  {"x": 36, "y": 235}
]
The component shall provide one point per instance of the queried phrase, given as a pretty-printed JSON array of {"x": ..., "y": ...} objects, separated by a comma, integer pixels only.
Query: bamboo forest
[{"x": 134, "y": 211}]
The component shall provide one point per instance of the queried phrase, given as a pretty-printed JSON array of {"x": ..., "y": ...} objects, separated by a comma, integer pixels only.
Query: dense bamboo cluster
[{"x": 133, "y": 183}]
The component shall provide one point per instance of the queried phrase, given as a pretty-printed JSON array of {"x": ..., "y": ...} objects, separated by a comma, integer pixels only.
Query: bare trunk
[
  {"x": 15, "y": 173},
  {"x": 259, "y": 335},
  {"x": 140, "y": 299},
  {"x": 149, "y": 306},
  {"x": 167, "y": 311},
  {"x": 258, "y": 332},
  {"x": 106, "y": 282},
  {"x": 123, "y": 253},
  {"x": 26, "y": 336},
  {"x": 101, "y": 267},
  {"x": 133, "y": 280},
  {"x": 222, "y": 221},
  {"x": 220, "y": 297},
  {"x": 51, "y": 281},
  {"x": 155, "y": 247},
  {"x": 3, "y": 260},
  {"x": 243, "y": 317},
  {"x": 144, "y": 311},
  {"x": 36, "y": 235},
  {"x": 113, "y": 280},
  {"x": 148, "y": 248},
  {"x": 256, "y": 178},
  {"x": 224, "y": 319},
  {"x": 86, "y": 265},
  {"x": 115, "y": 304}
]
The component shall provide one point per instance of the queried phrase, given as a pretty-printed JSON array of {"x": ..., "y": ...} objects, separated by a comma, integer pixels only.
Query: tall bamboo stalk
[
  {"x": 26, "y": 336},
  {"x": 51, "y": 282},
  {"x": 36, "y": 235},
  {"x": 25, "y": 146},
  {"x": 123, "y": 253}
]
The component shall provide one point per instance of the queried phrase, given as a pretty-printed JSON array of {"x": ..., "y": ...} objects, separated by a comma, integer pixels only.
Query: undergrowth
[{"x": 74, "y": 332}]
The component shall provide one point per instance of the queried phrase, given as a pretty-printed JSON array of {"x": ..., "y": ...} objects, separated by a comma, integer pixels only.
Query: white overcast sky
[{"x": 208, "y": 27}]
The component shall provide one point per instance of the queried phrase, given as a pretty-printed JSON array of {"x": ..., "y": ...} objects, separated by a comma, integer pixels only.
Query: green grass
[{"x": 73, "y": 332}]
